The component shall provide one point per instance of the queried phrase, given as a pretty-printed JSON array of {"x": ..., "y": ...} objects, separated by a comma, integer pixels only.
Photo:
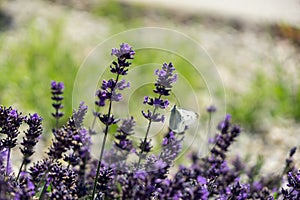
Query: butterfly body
[{"x": 180, "y": 119}]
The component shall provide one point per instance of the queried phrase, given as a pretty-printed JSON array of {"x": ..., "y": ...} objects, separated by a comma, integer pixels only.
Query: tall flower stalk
[
  {"x": 10, "y": 121},
  {"x": 163, "y": 87},
  {"x": 57, "y": 91},
  {"x": 31, "y": 138},
  {"x": 108, "y": 92}
]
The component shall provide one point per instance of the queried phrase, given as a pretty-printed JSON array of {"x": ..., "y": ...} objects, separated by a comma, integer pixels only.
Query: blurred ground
[
  {"x": 235, "y": 33},
  {"x": 268, "y": 11}
]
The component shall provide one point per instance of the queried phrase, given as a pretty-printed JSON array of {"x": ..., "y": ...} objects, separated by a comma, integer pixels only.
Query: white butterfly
[{"x": 180, "y": 119}]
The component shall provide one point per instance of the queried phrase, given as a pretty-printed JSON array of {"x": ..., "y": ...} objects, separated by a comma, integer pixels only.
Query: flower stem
[
  {"x": 99, "y": 165},
  {"x": 102, "y": 148},
  {"x": 93, "y": 123},
  {"x": 43, "y": 191},
  {"x": 56, "y": 124},
  {"x": 20, "y": 169},
  {"x": 7, "y": 161},
  {"x": 145, "y": 139},
  {"x": 209, "y": 124}
]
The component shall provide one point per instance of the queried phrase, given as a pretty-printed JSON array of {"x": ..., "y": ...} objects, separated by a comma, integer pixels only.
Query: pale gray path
[{"x": 263, "y": 11}]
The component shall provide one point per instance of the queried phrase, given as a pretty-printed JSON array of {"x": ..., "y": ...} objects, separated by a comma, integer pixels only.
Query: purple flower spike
[
  {"x": 211, "y": 109},
  {"x": 10, "y": 121},
  {"x": 31, "y": 136},
  {"x": 162, "y": 88},
  {"x": 57, "y": 91},
  {"x": 125, "y": 52},
  {"x": 146, "y": 98},
  {"x": 122, "y": 85},
  {"x": 109, "y": 88},
  {"x": 165, "y": 76}
]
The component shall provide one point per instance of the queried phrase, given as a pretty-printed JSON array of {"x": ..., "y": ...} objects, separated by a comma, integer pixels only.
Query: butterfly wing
[
  {"x": 188, "y": 117},
  {"x": 176, "y": 123},
  {"x": 180, "y": 119}
]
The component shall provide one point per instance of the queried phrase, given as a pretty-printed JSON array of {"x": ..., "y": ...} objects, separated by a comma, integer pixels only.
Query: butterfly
[{"x": 180, "y": 119}]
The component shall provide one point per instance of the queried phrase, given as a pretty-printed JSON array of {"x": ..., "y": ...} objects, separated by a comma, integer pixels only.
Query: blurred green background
[{"x": 49, "y": 40}]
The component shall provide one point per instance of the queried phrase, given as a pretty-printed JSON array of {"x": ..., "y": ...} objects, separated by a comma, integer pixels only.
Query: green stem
[
  {"x": 99, "y": 165},
  {"x": 94, "y": 121},
  {"x": 43, "y": 191},
  {"x": 20, "y": 169},
  {"x": 56, "y": 123},
  {"x": 7, "y": 161},
  {"x": 209, "y": 124},
  {"x": 103, "y": 145},
  {"x": 145, "y": 139}
]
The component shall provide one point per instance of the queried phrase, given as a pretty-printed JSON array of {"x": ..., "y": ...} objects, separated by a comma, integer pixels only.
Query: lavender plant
[
  {"x": 68, "y": 171},
  {"x": 108, "y": 92},
  {"x": 163, "y": 87},
  {"x": 31, "y": 138},
  {"x": 57, "y": 91}
]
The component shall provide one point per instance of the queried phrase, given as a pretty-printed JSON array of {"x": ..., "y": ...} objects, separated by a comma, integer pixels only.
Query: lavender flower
[
  {"x": 79, "y": 115},
  {"x": 108, "y": 92},
  {"x": 171, "y": 147},
  {"x": 122, "y": 142},
  {"x": 293, "y": 192},
  {"x": 165, "y": 79},
  {"x": 26, "y": 188},
  {"x": 7, "y": 188},
  {"x": 157, "y": 117},
  {"x": 63, "y": 183},
  {"x": 237, "y": 191},
  {"x": 211, "y": 109},
  {"x": 109, "y": 88},
  {"x": 31, "y": 137},
  {"x": 103, "y": 182},
  {"x": 125, "y": 52},
  {"x": 61, "y": 143},
  {"x": 57, "y": 91},
  {"x": 10, "y": 121},
  {"x": 185, "y": 185},
  {"x": 225, "y": 139},
  {"x": 72, "y": 142},
  {"x": 289, "y": 161},
  {"x": 163, "y": 87}
]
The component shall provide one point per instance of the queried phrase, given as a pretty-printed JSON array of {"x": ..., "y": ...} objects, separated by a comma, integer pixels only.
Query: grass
[
  {"x": 29, "y": 61},
  {"x": 277, "y": 97}
]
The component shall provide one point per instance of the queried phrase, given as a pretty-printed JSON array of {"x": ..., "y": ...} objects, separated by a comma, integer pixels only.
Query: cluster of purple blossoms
[
  {"x": 125, "y": 130},
  {"x": 109, "y": 88},
  {"x": 10, "y": 121},
  {"x": 123, "y": 146},
  {"x": 293, "y": 191},
  {"x": 31, "y": 138}
]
